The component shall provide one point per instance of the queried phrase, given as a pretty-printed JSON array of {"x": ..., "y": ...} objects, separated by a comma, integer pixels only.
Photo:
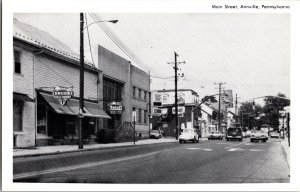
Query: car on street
[
  {"x": 189, "y": 135},
  {"x": 274, "y": 134},
  {"x": 258, "y": 135},
  {"x": 234, "y": 133},
  {"x": 215, "y": 135},
  {"x": 248, "y": 133},
  {"x": 155, "y": 134}
]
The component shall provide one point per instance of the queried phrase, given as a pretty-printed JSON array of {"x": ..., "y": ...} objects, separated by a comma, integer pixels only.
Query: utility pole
[
  {"x": 176, "y": 104},
  {"x": 149, "y": 101},
  {"x": 235, "y": 112},
  {"x": 81, "y": 82},
  {"x": 219, "y": 113}
]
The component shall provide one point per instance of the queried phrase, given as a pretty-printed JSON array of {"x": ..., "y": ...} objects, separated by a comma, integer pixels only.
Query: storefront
[{"x": 57, "y": 123}]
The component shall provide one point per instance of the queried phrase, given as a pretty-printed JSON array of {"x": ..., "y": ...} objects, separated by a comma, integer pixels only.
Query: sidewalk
[
  {"x": 286, "y": 149},
  {"x": 58, "y": 149}
]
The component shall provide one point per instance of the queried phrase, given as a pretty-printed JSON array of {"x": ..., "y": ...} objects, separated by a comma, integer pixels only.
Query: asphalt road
[{"x": 205, "y": 162}]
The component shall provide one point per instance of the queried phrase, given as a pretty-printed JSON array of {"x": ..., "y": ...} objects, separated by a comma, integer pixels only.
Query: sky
[{"x": 249, "y": 52}]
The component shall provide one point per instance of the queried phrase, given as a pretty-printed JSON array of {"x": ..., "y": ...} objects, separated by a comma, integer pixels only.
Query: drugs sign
[{"x": 62, "y": 94}]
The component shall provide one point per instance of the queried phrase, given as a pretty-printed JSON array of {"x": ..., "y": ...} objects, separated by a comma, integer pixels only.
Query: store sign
[
  {"x": 180, "y": 110},
  {"x": 115, "y": 107},
  {"x": 156, "y": 112},
  {"x": 62, "y": 94}
]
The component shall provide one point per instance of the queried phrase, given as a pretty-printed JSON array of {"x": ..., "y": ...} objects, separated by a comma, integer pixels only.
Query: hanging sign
[
  {"x": 62, "y": 94},
  {"x": 115, "y": 107}
]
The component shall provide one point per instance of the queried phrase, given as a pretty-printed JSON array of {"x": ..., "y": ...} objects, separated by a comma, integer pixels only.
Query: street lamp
[{"x": 81, "y": 78}]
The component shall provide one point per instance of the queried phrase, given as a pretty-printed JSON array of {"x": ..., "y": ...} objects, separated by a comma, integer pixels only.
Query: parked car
[
  {"x": 248, "y": 133},
  {"x": 155, "y": 134},
  {"x": 215, "y": 135},
  {"x": 234, "y": 133},
  {"x": 244, "y": 134},
  {"x": 274, "y": 134},
  {"x": 257, "y": 135},
  {"x": 189, "y": 135}
]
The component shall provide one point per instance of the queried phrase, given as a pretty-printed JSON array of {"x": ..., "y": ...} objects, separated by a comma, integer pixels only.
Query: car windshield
[
  {"x": 236, "y": 130},
  {"x": 187, "y": 131},
  {"x": 154, "y": 131},
  {"x": 212, "y": 132}
]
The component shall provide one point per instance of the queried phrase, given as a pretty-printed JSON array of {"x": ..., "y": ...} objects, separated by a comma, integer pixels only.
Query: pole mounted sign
[
  {"x": 62, "y": 94},
  {"x": 180, "y": 110}
]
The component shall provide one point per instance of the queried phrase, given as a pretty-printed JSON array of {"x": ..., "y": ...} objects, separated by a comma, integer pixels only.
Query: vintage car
[
  {"x": 215, "y": 135},
  {"x": 189, "y": 135},
  {"x": 234, "y": 133},
  {"x": 258, "y": 135}
]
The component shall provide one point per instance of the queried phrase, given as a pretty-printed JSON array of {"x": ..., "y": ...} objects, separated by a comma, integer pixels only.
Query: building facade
[
  {"x": 129, "y": 87},
  {"x": 163, "y": 110},
  {"x": 43, "y": 67}
]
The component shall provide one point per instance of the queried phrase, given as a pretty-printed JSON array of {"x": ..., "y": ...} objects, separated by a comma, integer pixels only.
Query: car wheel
[
  {"x": 251, "y": 140},
  {"x": 227, "y": 139},
  {"x": 241, "y": 139},
  {"x": 180, "y": 141},
  {"x": 265, "y": 140}
]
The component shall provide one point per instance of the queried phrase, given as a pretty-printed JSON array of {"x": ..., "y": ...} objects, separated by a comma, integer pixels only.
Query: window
[
  {"x": 145, "y": 95},
  {"x": 140, "y": 116},
  {"x": 17, "y": 62},
  {"x": 165, "y": 99},
  {"x": 18, "y": 110},
  {"x": 140, "y": 93},
  {"x": 133, "y": 91},
  {"x": 145, "y": 116},
  {"x": 112, "y": 91}
]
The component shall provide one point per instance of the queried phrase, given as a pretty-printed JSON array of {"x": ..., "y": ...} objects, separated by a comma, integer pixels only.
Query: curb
[
  {"x": 86, "y": 149},
  {"x": 285, "y": 154}
]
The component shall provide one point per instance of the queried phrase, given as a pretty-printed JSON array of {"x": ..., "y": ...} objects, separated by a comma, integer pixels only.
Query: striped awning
[{"x": 72, "y": 107}]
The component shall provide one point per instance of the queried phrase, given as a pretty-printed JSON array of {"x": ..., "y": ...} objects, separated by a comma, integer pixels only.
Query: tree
[
  {"x": 272, "y": 107},
  {"x": 248, "y": 114}
]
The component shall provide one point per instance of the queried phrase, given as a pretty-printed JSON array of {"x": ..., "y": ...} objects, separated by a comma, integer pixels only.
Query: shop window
[
  {"x": 18, "y": 116},
  {"x": 92, "y": 126},
  {"x": 140, "y": 116},
  {"x": 17, "y": 65},
  {"x": 41, "y": 119}
]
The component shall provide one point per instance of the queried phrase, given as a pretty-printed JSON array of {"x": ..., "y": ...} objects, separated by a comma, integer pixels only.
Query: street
[{"x": 214, "y": 161}]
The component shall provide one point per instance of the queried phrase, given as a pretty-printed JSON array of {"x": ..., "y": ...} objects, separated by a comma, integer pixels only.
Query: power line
[
  {"x": 122, "y": 46},
  {"x": 88, "y": 34}
]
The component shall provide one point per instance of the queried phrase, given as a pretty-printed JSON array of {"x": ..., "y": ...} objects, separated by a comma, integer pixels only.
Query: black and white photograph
[{"x": 120, "y": 96}]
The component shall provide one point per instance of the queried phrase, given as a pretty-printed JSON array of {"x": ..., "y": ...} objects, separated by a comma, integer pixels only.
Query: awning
[
  {"x": 72, "y": 107},
  {"x": 22, "y": 97}
]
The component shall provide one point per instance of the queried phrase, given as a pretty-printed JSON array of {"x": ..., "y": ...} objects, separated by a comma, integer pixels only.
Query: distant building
[{"x": 163, "y": 110}]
